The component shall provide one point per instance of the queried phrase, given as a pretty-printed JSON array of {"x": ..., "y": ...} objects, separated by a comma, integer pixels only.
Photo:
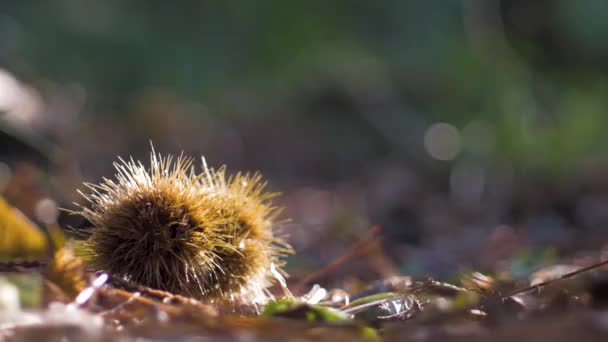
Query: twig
[
  {"x": 565, "y": 276},
  {"x": 148, "y": 292},
  {"x": 359, "y": 248},
  {"x": 20, "y": 266}
]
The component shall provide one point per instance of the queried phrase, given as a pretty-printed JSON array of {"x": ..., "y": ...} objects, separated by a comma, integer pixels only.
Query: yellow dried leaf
[
  {"x": 19, "y": 237},
  {"x": 66, "y": 272}
]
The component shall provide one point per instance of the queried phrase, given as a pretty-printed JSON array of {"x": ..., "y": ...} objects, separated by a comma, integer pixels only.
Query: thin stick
[
  {"x": 151, "y": 293},
  {"x": 20, "y": 266},
  {"x": 360, "y": 247},
  {"x": 565, "y": 276}
]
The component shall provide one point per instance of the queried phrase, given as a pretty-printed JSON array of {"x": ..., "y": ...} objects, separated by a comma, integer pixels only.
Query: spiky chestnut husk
[{"x": 197, "y": 234}]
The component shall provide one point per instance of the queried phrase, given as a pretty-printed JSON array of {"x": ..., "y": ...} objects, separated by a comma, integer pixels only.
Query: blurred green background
[{"x": 470, "y": 131}]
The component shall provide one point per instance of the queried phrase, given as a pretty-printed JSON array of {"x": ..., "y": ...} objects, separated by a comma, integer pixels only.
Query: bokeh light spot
[
  {"x": 46, "y": 211},
  {"x": 442, "y": 141}
]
